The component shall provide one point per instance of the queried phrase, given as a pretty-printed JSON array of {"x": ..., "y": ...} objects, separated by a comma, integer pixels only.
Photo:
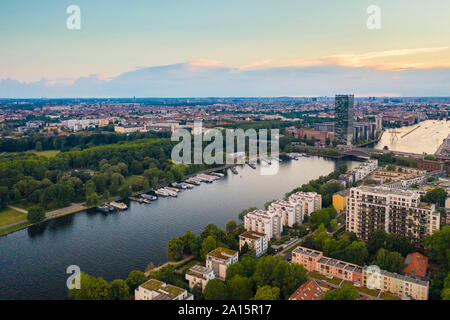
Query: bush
[{"x": 36, "y": 214}]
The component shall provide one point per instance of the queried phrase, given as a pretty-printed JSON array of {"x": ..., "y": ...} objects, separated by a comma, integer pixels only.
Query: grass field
[
  {"x": 47, "y": 153},
  {"x": 14, "y": 228},
  {"x": 8, "y": 216}
]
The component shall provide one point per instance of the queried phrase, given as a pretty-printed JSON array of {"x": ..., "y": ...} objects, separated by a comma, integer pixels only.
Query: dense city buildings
[
  {"x": 393, "y": 210},
  {"x": 344, "y": 113}
]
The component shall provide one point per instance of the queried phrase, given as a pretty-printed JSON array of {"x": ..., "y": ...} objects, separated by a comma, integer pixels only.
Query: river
[
  {"x": 33, "y": 261},
  {"x": 427, "y": 138}
]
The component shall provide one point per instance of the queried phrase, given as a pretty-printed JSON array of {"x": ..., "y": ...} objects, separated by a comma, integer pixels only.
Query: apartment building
[
  {"x": 264, "y": 222},
  {"x": 219, "y": 260},
  {"x": 291, "y": 213},
  {"x": 401, "y": 285},
  {"x": 256, "y": 241},
  {"x": 363, "y": 170},
  {"x": 311, "y": 201},
  {"x": 393, "y": 210},
  {"x": 199, "y": 275},
  {"x": 157, "y": 290}
]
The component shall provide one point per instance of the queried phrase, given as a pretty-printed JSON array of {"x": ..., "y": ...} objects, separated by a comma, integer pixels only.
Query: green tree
[
  {"x": 118, "y": 290},
  {"x": 437, "y": 246},
  {"x": 175, "y": 249},
  {"x": 333, "y": 224},
  {"x": 357, "y": 253},
  {"x": 91, "y": 288},
  {"x": 436, "y": 195},
  {"x": 208, "y": 244},
  {"x": 240, "y": 288},
  {"x": 125, "y": 192},
  {"x": 231, "y": 225},
  {"x": 346, "y": 292},
  {"x": 215, "y": 290},
  {"x": 267, "y": 293},
  {"x": 135, "y": 279},
  {"x": 36, "y": 214},
  {"x": 92, "y": 200}
]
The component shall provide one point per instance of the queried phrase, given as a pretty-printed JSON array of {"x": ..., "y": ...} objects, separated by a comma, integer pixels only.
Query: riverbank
[{"x": 78, "y": 207}]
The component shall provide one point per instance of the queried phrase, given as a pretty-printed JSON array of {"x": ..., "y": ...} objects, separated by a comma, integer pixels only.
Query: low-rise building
[
  {"x": 219, "y": 260},
  {"x": 255, "y": 241},
  {"x": 416, "y": 265},
  {"x": 310, "y": 290},
  {"x": 340, "y": 200},
  {"x": 401, "y": 285},
  {"x": 199, "y": 275},
  {"x": 157, "y": 290}
]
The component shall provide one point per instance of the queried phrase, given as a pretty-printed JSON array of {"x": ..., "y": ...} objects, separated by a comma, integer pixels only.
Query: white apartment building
[
  {"x": 199, "y": 275},
  {"x": 157, "y": 290},
  {"x": 256, "y": 241},
  {"x": 396, "y": 211},
  {"x": 291, "y": 213},
  {"x": 264, "y": 222},
  {"x": 219, "y": 259},
  {"x": 364, "y": 169},
  {"x": 310, "y": 201}
]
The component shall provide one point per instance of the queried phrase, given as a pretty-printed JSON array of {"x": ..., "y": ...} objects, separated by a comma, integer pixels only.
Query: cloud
[
  {"x": 214, "y": 79},
  {"x": 381, "y": 60}
]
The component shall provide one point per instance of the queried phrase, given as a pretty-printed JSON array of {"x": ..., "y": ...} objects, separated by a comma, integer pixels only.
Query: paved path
[
  {"x": 18, "y": 209},
  {"x": 174, "y": 263},
  {"x": 13, "y": 224},
  {"x": 74, "y": 206}
]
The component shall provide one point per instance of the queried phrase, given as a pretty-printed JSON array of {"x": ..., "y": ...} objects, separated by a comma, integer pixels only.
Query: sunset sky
[{"x": 240, "y": 36}]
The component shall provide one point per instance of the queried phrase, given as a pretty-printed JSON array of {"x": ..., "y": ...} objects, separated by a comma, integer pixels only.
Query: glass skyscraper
[{"x": 344, "y": 111}]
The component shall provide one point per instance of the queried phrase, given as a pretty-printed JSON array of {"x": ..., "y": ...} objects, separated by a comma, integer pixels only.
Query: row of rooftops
[{"x": 355, "y": 268}]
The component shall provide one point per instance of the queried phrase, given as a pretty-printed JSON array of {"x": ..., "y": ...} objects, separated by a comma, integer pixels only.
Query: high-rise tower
[{"x": 344, "y": 111}]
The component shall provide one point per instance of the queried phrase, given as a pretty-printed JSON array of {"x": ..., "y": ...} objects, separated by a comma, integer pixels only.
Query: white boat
[
  {"x": 162, "y": 193},
  {"x": 172, "y": 189},
  {"x": 118, "y": 205},
  {"x": 218, "y": 174},
  {"x": 170, "y": 192}
]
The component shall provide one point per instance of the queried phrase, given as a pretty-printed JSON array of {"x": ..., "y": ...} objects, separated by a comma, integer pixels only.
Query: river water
[{"x": 33, "y": 261}]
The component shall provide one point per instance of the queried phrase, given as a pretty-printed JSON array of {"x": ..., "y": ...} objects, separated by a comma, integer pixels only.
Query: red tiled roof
[
  {"x": 308, "y": 291},
  {"x": 416, "y": 264}
]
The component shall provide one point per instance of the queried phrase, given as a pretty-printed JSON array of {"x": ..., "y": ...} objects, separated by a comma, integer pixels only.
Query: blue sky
[{"x": 119, "y": 36}]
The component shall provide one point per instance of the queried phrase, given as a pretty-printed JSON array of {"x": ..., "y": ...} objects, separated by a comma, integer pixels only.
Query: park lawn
[
  {"x": 335, "y": 281},
  {"x": 14, "y": 228},
  {"x": 8, "y": 216},
  {"x": 47, "y": 153},
  {"x": 134, "y": 180}
]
